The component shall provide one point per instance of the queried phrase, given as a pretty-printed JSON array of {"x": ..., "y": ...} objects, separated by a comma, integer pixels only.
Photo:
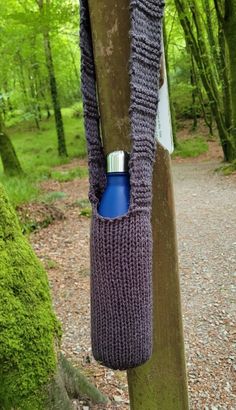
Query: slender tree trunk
[
  {"x": 76, "y": 72},
  {"x": 230, "y": 35},
  {"x": 194, "y": 97},
  {"x": 34, "y": 100},
  {"x": 62, "y": 151},
  {"x": 160, "y": 384},
  {"x": 9, "y": 104},
  {"x": 22, "y": 81},
  {"x": 3, "y": 106},
  {"x": 55, "y": 98},
  {"x": 200, "y": 53},
  {"x": 212, "y": 38},
  {"x": 41, "y": 88},
  {"x": 10, "y": 161},
  {"x": 172, "y": 108},
  {"x": 208, "y": 117},
  {"x": 224, "y": 77}
]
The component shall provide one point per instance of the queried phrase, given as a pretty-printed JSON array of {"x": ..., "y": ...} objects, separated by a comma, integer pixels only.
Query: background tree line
[
  {"x": 200, "y": 38},
  {"x": 40, "y": 66}
]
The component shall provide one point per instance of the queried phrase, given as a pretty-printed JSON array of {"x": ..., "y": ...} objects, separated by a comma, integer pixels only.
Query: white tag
[{"x": 163, "y": 131}]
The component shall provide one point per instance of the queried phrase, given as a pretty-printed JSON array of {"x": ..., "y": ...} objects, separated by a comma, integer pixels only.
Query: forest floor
[{"x": 206, "y": 220}]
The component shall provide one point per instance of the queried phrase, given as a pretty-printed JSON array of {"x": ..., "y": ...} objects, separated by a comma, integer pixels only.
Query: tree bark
[
  {"x": 199, "y": 50},
  {"x": 230, "y": 35},
  {"x": 161, "y": 383},
  {"x": 62, "y": 150},
  {"x": 22, "y": 80},
  {"x": 10, "y": 161},
  {"x": 194, "y": 96},
  {"x": 172, "y": 108}
]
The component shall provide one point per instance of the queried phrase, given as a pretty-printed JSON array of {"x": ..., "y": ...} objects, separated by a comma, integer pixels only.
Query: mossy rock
[{"x": 29, "y": 330}]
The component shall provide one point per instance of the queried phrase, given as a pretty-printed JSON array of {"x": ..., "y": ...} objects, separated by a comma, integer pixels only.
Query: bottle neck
[{"x": 117, "y": 178}]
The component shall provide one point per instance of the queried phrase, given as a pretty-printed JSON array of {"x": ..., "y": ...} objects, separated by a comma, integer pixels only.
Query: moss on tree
[
  {"x": 28, "y": 326},
  {"x": 33, "y": 373},
  {"x": 11, "y": 164},
  {"x": 10, "y": 161}
]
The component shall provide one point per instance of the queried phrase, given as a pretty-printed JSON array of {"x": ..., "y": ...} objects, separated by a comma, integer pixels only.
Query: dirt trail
[{"x": 206, "y": 225}]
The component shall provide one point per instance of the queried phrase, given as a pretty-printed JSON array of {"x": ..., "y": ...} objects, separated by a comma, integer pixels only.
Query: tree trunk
[
  {"x": 200, "y": 52},
  {"x": 33, "y": 77},
  {"x": 194, "y": 96},
  {"x": 161, "y": 383},
  {"x": 36, "y": 111},
  {"x": 22, "y": 80},
  {"x": 230, "y": 35},
  {"x": 55, "y": 98},
  {"x": 33, "y": 374},
  {"x": 9, "y": 104},
  {"x": 10, "y": 161},
  {"x": 62, "y": 151},
  {"x": 172, "y": 108}
]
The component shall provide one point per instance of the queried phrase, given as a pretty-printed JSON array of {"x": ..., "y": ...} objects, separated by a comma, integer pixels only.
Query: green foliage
[
  {"x": 227, "y": 169},
  {"x": 29, "y": 225},
  {"x": 192, "y": 147},
  {"x": 20, "y": 190},
  {"x": 37, "y": 151},
  {"x": 50, "y": 264},
  {"x": 87, "y": 212},
  {"x": 53, "y": 196},
  {"x": 23, "y": 72},
  {"x": 69, "y": 175},
  {"x": 77, "y": 110},
  {"x": 28, "y": 327},
  {"x": 84, "y": 208},
  {"x": 182, "y": 100}
]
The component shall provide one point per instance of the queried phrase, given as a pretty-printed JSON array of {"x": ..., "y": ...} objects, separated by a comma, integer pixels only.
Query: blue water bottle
[{"x": 116, "y": 197}]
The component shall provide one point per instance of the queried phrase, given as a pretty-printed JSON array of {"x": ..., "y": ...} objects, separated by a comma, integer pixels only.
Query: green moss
[{"x": 28, "y": 326}]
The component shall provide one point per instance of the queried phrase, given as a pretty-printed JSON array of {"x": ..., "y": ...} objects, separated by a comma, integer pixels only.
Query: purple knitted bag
[{"x": 121, "y": 248}]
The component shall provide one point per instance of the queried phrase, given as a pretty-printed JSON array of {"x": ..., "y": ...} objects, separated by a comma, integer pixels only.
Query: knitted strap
[
  {"x": 145, "y": 57},
  {"x": 96, "y": 160}
]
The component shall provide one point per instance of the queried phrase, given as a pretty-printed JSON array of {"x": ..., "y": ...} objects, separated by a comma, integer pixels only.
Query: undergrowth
[
  {"x": 227, "y": 169},
  {"x": 191, "y": 147},
  {"x": 65, "y": 176},
  {"x": 85, "y": 208},
  {"x": 37, "y": 152}
]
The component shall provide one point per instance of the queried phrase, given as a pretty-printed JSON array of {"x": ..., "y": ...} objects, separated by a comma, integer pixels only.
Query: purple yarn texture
[{"x": 121, "y": 248}]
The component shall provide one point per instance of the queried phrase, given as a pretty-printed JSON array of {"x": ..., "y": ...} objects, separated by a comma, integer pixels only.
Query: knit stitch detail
[{"x": 121, "y": 248}]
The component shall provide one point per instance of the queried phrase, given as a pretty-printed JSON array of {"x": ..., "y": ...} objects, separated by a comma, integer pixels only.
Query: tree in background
[
  {"x": 202, "y": 31},
  {"x": 40, "y": 60},
  {"x": 226, "y": 14},
  {"x": 10, "y": 161},
  {"x": 45, "y": 14}
]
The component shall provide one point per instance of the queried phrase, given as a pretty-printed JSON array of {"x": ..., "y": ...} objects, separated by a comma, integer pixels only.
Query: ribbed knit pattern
[{"x": 121, "y": 248}]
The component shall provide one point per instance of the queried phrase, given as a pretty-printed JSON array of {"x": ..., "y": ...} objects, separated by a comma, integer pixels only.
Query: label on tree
[{"x": 163, "y": 131}]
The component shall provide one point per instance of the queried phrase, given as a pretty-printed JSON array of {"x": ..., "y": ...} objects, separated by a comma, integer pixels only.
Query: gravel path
[{"x": 206, "y": 224}]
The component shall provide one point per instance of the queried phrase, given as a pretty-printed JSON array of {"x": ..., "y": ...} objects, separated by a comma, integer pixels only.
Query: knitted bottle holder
[{"x": 121, "y": 248}]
